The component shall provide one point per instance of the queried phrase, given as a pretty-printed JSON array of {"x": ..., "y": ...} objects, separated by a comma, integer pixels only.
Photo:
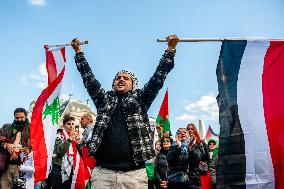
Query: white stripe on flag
[
  {"x": 259, "y": 169},
  {"x": 74, "y": 177},
  {"x": 58, "y": 57},
  {"x": 50, "y": 130}
]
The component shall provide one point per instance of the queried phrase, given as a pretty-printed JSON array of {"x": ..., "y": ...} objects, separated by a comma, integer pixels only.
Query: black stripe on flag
[{"x": 231, "y": 169}]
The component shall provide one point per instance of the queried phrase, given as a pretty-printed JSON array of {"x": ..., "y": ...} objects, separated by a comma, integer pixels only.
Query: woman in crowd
[
  {"x": 201, "y": 172},
  {"x": 191, "y": 128},
  {"x": 161, "y": 165},
  {"x": 182, "y": 158},
  {"x": 62, "y": 160}
]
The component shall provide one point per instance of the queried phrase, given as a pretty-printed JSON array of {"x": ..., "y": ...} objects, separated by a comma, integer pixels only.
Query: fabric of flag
[
  {"x": 163, "y": 117},
  {"x": 210, "y": 133},
  {"x": 81, "y": 172},
  {"x": 250, "y": 77},
  {"x": 44, "y": 120}
]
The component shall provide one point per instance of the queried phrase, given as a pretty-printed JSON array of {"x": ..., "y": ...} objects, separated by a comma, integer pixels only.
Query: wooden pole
[{"x": 222, "y": 39}]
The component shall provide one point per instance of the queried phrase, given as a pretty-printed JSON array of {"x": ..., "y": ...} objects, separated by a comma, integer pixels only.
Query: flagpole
[
  {"x": 67, "y": 44},
  {"x": 222, "y": 39}
]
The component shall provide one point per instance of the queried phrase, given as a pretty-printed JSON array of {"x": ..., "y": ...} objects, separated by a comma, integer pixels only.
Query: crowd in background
[
  {"x": 16, "y": 156},
  {"x": 186, "y": 162},
  {"x": 183, "y": 162}
]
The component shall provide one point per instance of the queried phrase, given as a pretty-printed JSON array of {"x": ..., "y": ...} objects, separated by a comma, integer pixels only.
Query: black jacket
[
  {"x": 161, "y": 166},
  {"x": 135, "y": 105},
  {"x": 187, "y": 163}
]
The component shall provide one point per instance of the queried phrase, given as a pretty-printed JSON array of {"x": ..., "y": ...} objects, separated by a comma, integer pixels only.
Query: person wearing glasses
[
  {"x": 182, "y": 157},
  {"x": 63, "y": 156}
]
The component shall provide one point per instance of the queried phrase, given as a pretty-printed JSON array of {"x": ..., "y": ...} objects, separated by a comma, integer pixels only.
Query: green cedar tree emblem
[{"x": 53, "y": 110}]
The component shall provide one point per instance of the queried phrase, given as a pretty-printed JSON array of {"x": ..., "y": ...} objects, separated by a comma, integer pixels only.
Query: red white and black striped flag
[{"x": 250, "y": 78}]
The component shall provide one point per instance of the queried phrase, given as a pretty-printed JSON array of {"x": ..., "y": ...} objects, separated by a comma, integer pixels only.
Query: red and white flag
[
  {"x": 44, "y": 125},
  {"x": 44, "y": 120},
  {"x": 81, "y": 170}
]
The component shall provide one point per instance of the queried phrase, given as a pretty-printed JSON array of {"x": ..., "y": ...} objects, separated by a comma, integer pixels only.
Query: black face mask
[{"x": 21, "y": 123}]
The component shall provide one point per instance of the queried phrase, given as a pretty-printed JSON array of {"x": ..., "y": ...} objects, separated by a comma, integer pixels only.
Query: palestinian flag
[
  {"x": 81, "y": 165},
  {"x": 163, "y": 117},
  {"x": 210, "y": 133},
  {"x": 44, "y": 120},
  {"x": 250, "y": 77}
]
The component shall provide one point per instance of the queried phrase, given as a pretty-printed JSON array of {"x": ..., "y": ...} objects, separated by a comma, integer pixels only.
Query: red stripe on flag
[
  {"x": 37, "y": 131},
  {"x": 209, "y": 133},
  {"x": 82, "y": 176},
  {"x": 164, "y": 111},
  {"x": 63, "y": 54},
  {"x": 273, "y": 102},
  {"x": 50, "y": 66},
  {"x": 82, "y": 173}
]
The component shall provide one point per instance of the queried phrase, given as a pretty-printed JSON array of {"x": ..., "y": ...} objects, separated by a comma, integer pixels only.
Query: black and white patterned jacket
[{"x": 135, "y": 106}]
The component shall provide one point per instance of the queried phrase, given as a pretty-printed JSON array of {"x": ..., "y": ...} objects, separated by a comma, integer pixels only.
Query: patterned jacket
[{"x": 135, "y": 105}]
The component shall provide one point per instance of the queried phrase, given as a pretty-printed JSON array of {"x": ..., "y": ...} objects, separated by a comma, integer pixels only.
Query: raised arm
[
  {"x": 92, "y": 85},
  {"x": 151, "y": 89}
]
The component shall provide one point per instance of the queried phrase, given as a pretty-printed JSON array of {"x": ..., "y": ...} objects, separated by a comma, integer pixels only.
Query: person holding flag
[
  {"x": 63, "y": 155},
  {"x": 45, "y": 139},
  {"x": 122, "y": 141}
]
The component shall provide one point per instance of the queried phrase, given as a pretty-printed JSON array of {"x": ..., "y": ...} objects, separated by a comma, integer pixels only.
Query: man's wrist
[
  {"x": 79, "y": 53},
  {"x": 172, "y": 50}
]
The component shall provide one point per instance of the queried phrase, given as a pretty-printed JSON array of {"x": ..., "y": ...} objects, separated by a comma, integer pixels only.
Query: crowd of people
[
  {"x": 120, "y": 141},
  {"x": 16, "y": 161},
  {"x": 186, "y": 162},
  {"x": 179, "y": 163}
]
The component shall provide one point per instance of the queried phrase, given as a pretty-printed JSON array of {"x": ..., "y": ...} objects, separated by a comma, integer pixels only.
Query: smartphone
[{"x": 77, "y": 129}]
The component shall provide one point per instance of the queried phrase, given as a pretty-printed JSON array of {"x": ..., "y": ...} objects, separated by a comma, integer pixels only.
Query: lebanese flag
[
  {"x": 163, "y": 117},
  {"x": 250, "y": 77},
  {"x": 44, "y": 120}
]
